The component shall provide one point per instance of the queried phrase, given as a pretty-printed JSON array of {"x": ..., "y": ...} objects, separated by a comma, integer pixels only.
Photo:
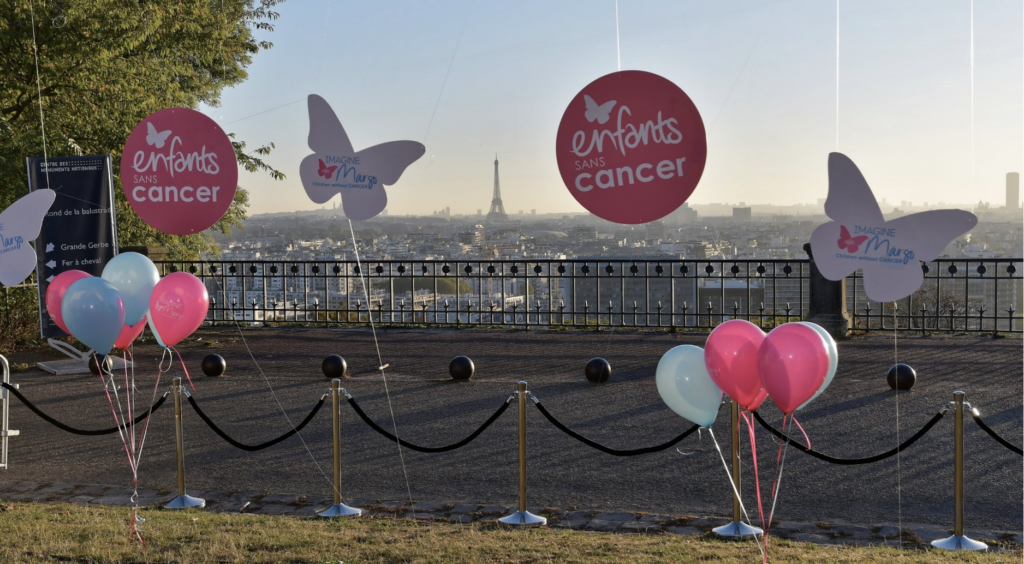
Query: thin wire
[
  {"x": 618, "y": 52},
  {"x": 733, "y": 484},
  {"x": 281, "y": 407},
  {"x": 739, "y": 74},
  {"x": 39, "y": 91},
  {"x": 265, "y": 111},
  {"x": 380, "y": 360},
  {"x": 323, "y": 40},
  {"x": 447, "y": 72},
  {"x": 899, "y": 485},
  {"x": 837, "y": 76},
  {"x": 972, "y": 94}
]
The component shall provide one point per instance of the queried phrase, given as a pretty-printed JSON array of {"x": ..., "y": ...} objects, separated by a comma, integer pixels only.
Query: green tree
[{"x": 103, "y": 66}]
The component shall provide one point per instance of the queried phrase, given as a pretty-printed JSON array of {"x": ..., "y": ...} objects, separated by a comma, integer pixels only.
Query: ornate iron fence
[
  {"x": 957, "y": 295},
  {"x": 580, "y": 292}
]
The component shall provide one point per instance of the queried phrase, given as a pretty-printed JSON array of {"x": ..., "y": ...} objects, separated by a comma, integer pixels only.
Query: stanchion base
[
  {"x": 340, "y": 510},
  {"x": 737, "y": 529},
  {"x": 959, "y": 543},
  {"x": 524, "y": 519},
  {"x": 185, "y": 502}
]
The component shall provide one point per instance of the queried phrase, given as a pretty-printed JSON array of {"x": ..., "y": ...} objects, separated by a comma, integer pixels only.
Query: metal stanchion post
[
  {"x": 6, "y": 432},
  {"x": 339, "y": 509},
  {"x": 737, "y": 528},
  {"x": 523, "y": 517},
  {"x": 183, "y": 501},
  {"x": 958, "y": 541}
]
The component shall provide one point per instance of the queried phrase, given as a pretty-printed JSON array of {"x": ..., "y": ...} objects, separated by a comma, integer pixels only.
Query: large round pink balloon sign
[
  {"x": 631, "y": 147},
  {"x": 179, "y": 171}
]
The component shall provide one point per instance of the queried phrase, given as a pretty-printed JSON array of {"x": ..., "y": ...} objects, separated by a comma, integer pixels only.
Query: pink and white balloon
[{"x": 793, "y": 362}]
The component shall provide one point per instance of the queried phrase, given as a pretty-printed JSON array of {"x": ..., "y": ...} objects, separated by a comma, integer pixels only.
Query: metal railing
[
  {"x": 958, "y": 295},
  {"x": 582, "y": 292}
]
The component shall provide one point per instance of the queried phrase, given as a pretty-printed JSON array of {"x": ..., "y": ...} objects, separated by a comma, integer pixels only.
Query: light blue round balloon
[
  {"x": 685, "y": 385},
  {"x": 833, "y": 359},
  {"x": 134, "y": 276},
  {"x": 156, "y": 334},
  {"x": 93, "y": 312}
]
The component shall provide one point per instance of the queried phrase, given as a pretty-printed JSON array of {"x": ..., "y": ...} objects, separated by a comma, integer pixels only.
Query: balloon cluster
[
  {"x": 793, "y": 364},
  {"x": 114, "y": 309}
]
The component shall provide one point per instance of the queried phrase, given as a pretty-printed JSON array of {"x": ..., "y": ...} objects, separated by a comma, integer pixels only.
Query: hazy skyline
[{"x": 762, "y": 75}]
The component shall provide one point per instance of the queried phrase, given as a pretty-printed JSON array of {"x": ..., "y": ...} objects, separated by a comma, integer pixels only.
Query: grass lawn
[{"x": 35, "y": 532}]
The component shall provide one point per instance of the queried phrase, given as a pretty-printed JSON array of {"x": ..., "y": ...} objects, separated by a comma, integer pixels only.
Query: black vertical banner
[{"x": 80, "y": 230}]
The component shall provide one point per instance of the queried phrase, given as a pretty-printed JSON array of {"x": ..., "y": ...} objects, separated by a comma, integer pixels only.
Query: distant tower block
[
  {"x": 497, "y": 212},
  {"x": 1012, "y": 190}
]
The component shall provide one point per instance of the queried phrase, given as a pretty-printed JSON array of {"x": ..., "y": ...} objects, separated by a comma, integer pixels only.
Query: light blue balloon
[
  {"x": 93, "y": 312},
  {"x": 685, "y": 385},
  {"x": 833, "y": 359},
  {"x": 156, "y": 335},
  {"x": 134, "y": 276}
]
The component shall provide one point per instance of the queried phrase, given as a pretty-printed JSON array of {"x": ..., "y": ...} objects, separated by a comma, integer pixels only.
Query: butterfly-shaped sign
[
  {"x": 888, "y": 252},
  {"x": 359, "y": 176},
  {"x": 19, "y": 224}
]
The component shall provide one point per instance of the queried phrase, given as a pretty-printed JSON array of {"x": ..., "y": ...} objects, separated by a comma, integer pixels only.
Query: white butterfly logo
[
  {"x": 888, "y": 252},
  {"x": 597, "y": 112},
  {"x": 336, "y": 168},
  {"x": 156, "y": 138},
  {"x": 19, "y": 224}
]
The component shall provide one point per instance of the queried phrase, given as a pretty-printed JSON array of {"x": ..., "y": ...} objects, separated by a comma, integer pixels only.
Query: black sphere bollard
[
  {"x": 901, "y": 377},
  {"x": 598, "y": 371},
  {"x": 334, "y": 367},
  {"x": 461, "y": 368},
  {"x": 214, "y": 365},
  {"x": 108, "y": 364}
]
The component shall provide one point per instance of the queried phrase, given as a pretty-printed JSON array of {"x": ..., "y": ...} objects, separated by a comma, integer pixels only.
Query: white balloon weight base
[
  {"x": 185, "y": 502},
  {"x": 959, "y": 543},
  {"x": 736, "y": 529},
  {"x": 524, "y": 519},
  {"x": 340, "y": 510}
]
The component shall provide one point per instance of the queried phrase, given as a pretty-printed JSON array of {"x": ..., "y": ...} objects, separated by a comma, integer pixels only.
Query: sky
[{"x": 473, "y": 79}]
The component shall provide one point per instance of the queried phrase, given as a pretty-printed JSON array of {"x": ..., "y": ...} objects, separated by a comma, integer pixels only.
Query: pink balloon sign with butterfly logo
[
  {"x": 335, "y": 167},
  {"x": 179, "y": 171},
  {"x": 631, "y": 147},
  {"x": 888, "y": 252}
]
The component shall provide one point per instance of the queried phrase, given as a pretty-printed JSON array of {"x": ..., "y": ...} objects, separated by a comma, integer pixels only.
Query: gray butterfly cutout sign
[{"x": 335, "y": 167}]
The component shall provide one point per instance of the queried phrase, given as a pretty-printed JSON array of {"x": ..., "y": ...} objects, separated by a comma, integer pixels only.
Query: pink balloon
[
  {"x": 794, "y": 362},
  {"x": 129, "y": 333},
  {"x": 730, "y": 355},
  {"x": 178, "y": 306},
  {"x": 55, "y": 294}
]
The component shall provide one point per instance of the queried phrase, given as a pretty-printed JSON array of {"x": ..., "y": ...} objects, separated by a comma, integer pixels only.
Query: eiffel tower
[{"x": 497, "y": 212}]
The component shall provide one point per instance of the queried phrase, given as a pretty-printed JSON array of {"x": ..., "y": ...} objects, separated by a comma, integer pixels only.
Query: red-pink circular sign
[
  {"x": 179, "y": 171},
  {"x": 631, "y": 147}
]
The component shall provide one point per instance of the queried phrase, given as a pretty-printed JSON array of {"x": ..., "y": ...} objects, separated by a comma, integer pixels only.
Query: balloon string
[
  {"x": 116, "y": 420},
  {"x": 801, "y": 427},
  {"x": 184, "y": 368},
  {"x": 748, "y": 419},
  {"x": 778, "y": 482},
  {"x": 128, "y": 399}
]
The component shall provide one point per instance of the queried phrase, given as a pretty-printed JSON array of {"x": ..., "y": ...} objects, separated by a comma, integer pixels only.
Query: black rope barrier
[
  {"x": 73, "y": 430},
  {"x": 850, "y": 461},
  {"x": 994, "y": 435},
  {"x": 612, "y": 451},
  {"x": 261, "y": 446},
  {"x": 418, "y": 448}
]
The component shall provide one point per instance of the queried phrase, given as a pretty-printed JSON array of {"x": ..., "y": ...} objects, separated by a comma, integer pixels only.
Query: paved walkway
[{"x": 855, "y": 417}]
